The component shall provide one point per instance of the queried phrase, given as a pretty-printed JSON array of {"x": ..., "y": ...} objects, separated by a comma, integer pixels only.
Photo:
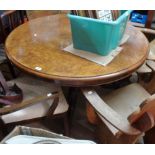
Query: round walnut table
[{"x": 37, "y": 48}]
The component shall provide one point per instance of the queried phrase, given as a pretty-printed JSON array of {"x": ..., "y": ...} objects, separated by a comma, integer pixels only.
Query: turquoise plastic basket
[{"x": 96, "y": 35}]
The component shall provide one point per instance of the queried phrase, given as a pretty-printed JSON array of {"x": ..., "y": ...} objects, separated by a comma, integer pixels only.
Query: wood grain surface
[{"x": 40, "y": 43}]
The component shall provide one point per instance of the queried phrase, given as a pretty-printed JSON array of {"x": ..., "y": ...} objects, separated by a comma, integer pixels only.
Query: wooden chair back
[
  {"x": 24, "y": 104},
  {"x": 146, "y": 73},
  {"x": 113, "y": 128},
  {"x": 9, "y": 20}
]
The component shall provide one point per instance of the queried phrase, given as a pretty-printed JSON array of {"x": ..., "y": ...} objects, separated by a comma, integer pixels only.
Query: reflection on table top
[{"x": 37, "y": 47}]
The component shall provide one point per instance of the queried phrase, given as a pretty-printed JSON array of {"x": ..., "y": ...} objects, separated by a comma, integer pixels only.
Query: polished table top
[{"x": 39, "y": 43}]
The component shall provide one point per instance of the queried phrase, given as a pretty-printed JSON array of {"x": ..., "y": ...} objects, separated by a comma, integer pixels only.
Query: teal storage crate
[{"x": 96, "y": 35}]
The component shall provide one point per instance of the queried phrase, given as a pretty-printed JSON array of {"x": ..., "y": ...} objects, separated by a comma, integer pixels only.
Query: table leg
[{"x": 72, "y": 100}]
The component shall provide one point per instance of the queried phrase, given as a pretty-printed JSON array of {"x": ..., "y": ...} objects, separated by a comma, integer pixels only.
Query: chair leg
[
  {"x": 3, "y": 128},
  {"x": 66, "y": 125},
  {"x": 11, "y": 69}
]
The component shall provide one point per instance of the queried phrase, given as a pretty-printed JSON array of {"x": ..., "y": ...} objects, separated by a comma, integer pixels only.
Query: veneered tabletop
[{"x": 39, "y": 43}]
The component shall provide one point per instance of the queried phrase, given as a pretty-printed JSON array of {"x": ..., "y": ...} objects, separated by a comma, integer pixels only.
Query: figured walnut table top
[{"x": 40, "y": 43}]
